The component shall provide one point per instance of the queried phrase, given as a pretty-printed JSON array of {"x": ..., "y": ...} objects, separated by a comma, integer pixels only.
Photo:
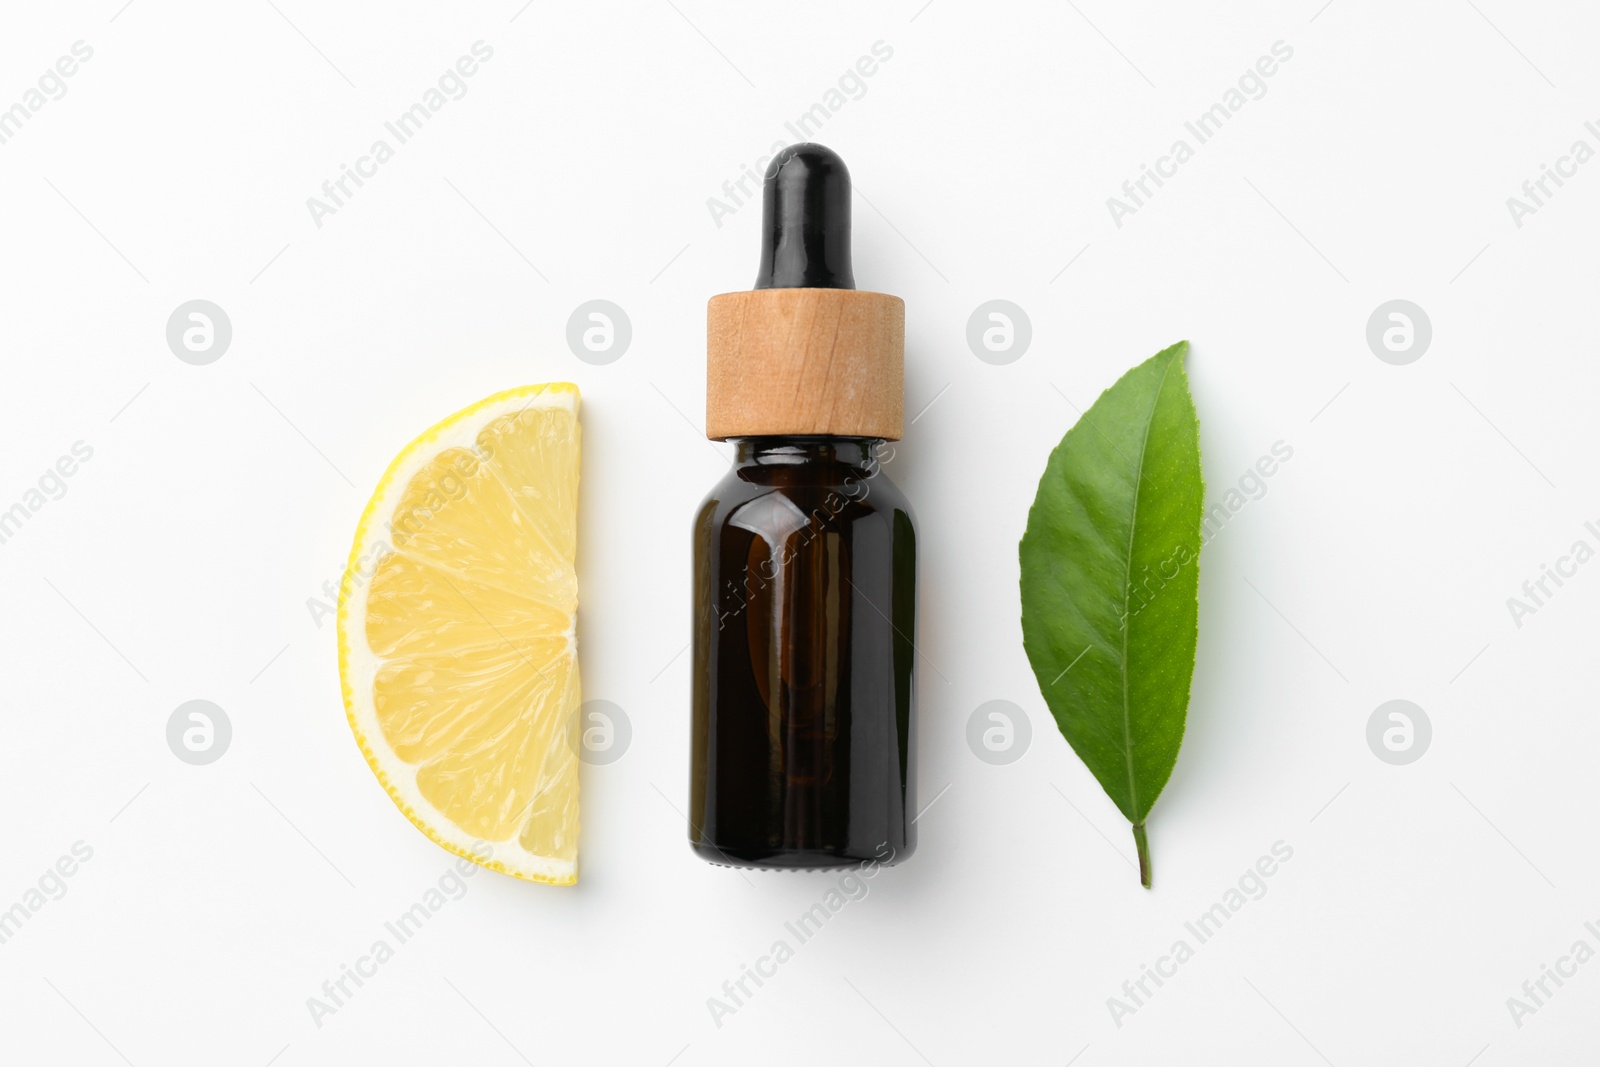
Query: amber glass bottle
[{"x": 804, "y": 555}]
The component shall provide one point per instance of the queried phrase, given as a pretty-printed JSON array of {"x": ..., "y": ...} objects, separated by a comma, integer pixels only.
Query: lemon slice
[{"x": 457, "y": 638}]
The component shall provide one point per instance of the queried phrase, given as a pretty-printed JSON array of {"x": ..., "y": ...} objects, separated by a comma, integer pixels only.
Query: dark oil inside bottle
[{"x": 803, "y": 744}]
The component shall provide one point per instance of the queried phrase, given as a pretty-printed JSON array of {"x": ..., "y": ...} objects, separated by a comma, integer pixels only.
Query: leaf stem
[{"x": 1143, "y": 846}]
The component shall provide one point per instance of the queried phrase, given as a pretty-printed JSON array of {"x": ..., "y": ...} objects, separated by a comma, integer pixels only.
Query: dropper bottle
[{"x": 803, "y": 751}]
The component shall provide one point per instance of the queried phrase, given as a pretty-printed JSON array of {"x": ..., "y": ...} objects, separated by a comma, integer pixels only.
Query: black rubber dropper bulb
[{"x": 805, "y": 221}]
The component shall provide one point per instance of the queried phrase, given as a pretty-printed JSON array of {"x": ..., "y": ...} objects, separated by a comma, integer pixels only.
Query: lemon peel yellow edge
[{"x": 368, "y": 515}]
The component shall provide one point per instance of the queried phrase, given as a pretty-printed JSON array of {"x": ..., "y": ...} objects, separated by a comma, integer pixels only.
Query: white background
[{"x": 184, "y": 558}]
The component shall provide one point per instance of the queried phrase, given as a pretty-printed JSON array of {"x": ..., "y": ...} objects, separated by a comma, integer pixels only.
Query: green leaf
[{"x": 1110, "y": 582}]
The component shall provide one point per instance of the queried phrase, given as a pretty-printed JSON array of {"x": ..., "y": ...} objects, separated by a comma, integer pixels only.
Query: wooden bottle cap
[{"x": 805, "y": 362}]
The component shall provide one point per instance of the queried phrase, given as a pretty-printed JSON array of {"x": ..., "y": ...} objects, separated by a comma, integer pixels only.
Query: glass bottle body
[{"x": 803, "y": 747}]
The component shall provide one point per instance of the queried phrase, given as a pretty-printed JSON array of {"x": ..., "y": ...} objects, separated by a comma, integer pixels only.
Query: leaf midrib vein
[{"x": 1127, "y": 578}]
